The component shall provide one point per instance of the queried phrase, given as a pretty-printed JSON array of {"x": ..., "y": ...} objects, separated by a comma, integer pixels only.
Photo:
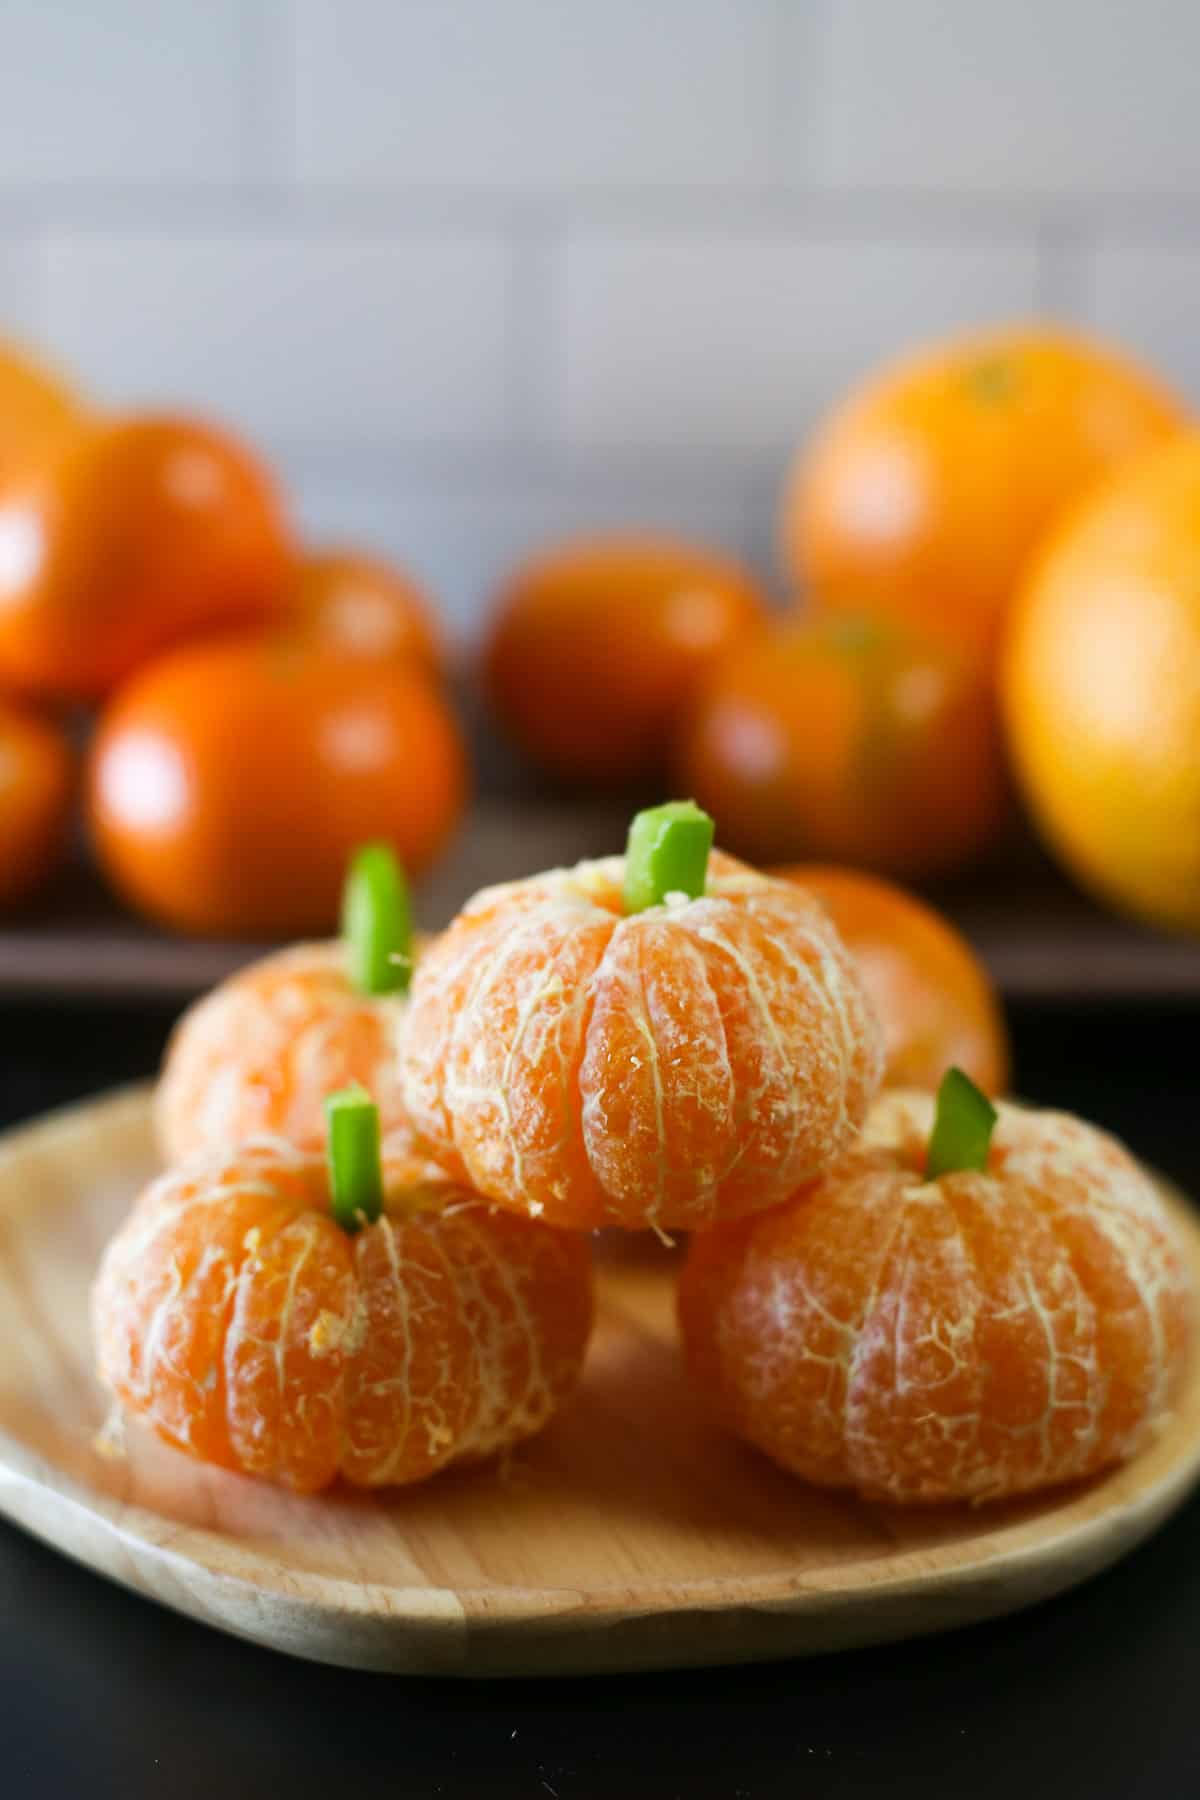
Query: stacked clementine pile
[{"x": 919, "y": 1302}]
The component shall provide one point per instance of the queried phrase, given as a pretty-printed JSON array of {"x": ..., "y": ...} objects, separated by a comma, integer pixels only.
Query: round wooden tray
[{"x": 630, "y": 1535}]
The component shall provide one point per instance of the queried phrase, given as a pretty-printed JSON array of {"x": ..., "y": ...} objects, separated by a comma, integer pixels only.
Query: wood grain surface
[{"x": 631, "y": 1535}]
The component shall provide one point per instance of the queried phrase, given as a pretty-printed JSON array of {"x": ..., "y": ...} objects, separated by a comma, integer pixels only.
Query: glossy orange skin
[
  {"x": 260, "y": 1052},
  {"x": 230, "y": 782},
  {"x": 1102, "y": 689},
  {"x": 987, "y": 1334},
  {"x": 37, "y": 410},
  {"x": 358, "y": 605},
  {"x": 662, "y": 1069},
  {"x": 596, "y": 646},
  {"x": 925, "y": 493},
  {"x": 931, "y": 994},
  {"x": 134, "y": 535},
  {"x": 37, "y": 784},
  {"x": 237, "y": 1320},
  {"x": 844, "y": 739}
]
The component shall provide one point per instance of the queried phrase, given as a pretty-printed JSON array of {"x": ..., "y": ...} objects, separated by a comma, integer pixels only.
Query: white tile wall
[
  {"x": 125, "y": 91},
  {"x": 1050, "y": 95},
  {"x": 721, "y": 341},
  {"x": 478, "y": 271},
  {"x": 342, "y": 342},
  {"x": 18, "y": 307},
  {"x": 518, "y": 94},
  {"x": 1148, "y": 296}
]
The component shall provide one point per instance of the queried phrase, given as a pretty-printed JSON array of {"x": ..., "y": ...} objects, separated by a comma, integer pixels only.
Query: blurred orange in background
[
  {"x": 130, "y": 536},
  {"x": 37, "y": 780},
  {"x": 850, "y": 739},
  {"x": 1102, "y": 688},
  {"x": 925, "y": 492},
  {"x": 595, "y": 647},
  {"x": 359, "y": 605},
  {"x": 933, "y": 996},
  {"x": 230, "y": 781},
  {"x": 37, "y": 407}
]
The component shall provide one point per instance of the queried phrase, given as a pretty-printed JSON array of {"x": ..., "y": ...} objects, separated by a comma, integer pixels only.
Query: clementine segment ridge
[
  {"x": 261, "y": 1051},
  {"x": 982, "y": 1335},
  {"x": 666, "y": 1068},
  {"x": 243, "y": 1326}
]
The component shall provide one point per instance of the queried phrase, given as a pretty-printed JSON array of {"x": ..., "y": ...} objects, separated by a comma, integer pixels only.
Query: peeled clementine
[
  {"x": 988, "y": 1332},
  {"x": 260, "y": 1052},
  {"x": 596, "y": 646},
  {"x": 662, "y": 1068},
  {"x": 924, "y": 494},
  {"x": 1102, "y": 688},
  {"x": 237, "y": 1320}
]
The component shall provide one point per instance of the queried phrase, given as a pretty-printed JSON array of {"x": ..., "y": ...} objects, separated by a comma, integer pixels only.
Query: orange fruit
[
  {"x": 666, "y": 1068},
  {"x": 848, "y": 739},
  {"x": 37, "y": 408},
  {"x": 133, "y": 535},
  {"x": 235, "y": 1318},
  {"x": 231, "y": 781},
  {"x": 925, "y": 492},
  {"x": 595, "y": 647},
  {"x": 261, "y": 1051},
  {"x": 1102, "y": 688},
  {"x": 932, "y": 995},
  {"x": 37, "y": 780},
  {"x": 980, "y": 1335},
  {"x": 358, "y": 605}
]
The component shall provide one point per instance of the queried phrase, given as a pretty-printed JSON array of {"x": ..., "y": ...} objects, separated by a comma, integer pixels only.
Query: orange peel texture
[
  {"x": 983, "y": 1335},
  {"x": 239, "y": 1322},
  {"x": 670, "y": 1068}
]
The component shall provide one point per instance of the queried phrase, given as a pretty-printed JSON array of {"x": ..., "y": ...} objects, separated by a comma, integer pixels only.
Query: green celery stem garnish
[
  {"x": 962, "y": 1127},
  {"x": 377, "y": 922},
  {"x": 355, "y": 1165},
  {"x": 667, "y": 853}
]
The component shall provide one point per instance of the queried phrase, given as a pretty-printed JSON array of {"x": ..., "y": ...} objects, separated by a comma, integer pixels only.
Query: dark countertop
[{"x": 104, "y": 1696}]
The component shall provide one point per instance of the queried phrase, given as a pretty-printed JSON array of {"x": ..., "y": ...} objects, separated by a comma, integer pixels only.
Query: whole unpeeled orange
[
  {"x": 597, "y": 645},
  {"x": 133, "y": 535},
  {"x": 849, "y": 739},
  {"x": 926, "y": 491},
  {"x": 1102, "y": 688},
  {"x": 933, "y": 996},
  {"x": 36, "y": 409}
]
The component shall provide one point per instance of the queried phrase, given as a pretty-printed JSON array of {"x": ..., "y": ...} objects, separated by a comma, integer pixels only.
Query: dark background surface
[{"x": 104, "y": 1696}]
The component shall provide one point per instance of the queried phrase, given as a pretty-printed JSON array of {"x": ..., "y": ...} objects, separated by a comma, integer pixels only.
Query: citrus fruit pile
[
  {"x": 259, "y": 707},
  {"x": 990, "y": 543},
  {"x": 921, "y": 1301}
]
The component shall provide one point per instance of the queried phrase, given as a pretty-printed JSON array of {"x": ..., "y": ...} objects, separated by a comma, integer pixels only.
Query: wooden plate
[{"x": 631, "y": 1535}]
